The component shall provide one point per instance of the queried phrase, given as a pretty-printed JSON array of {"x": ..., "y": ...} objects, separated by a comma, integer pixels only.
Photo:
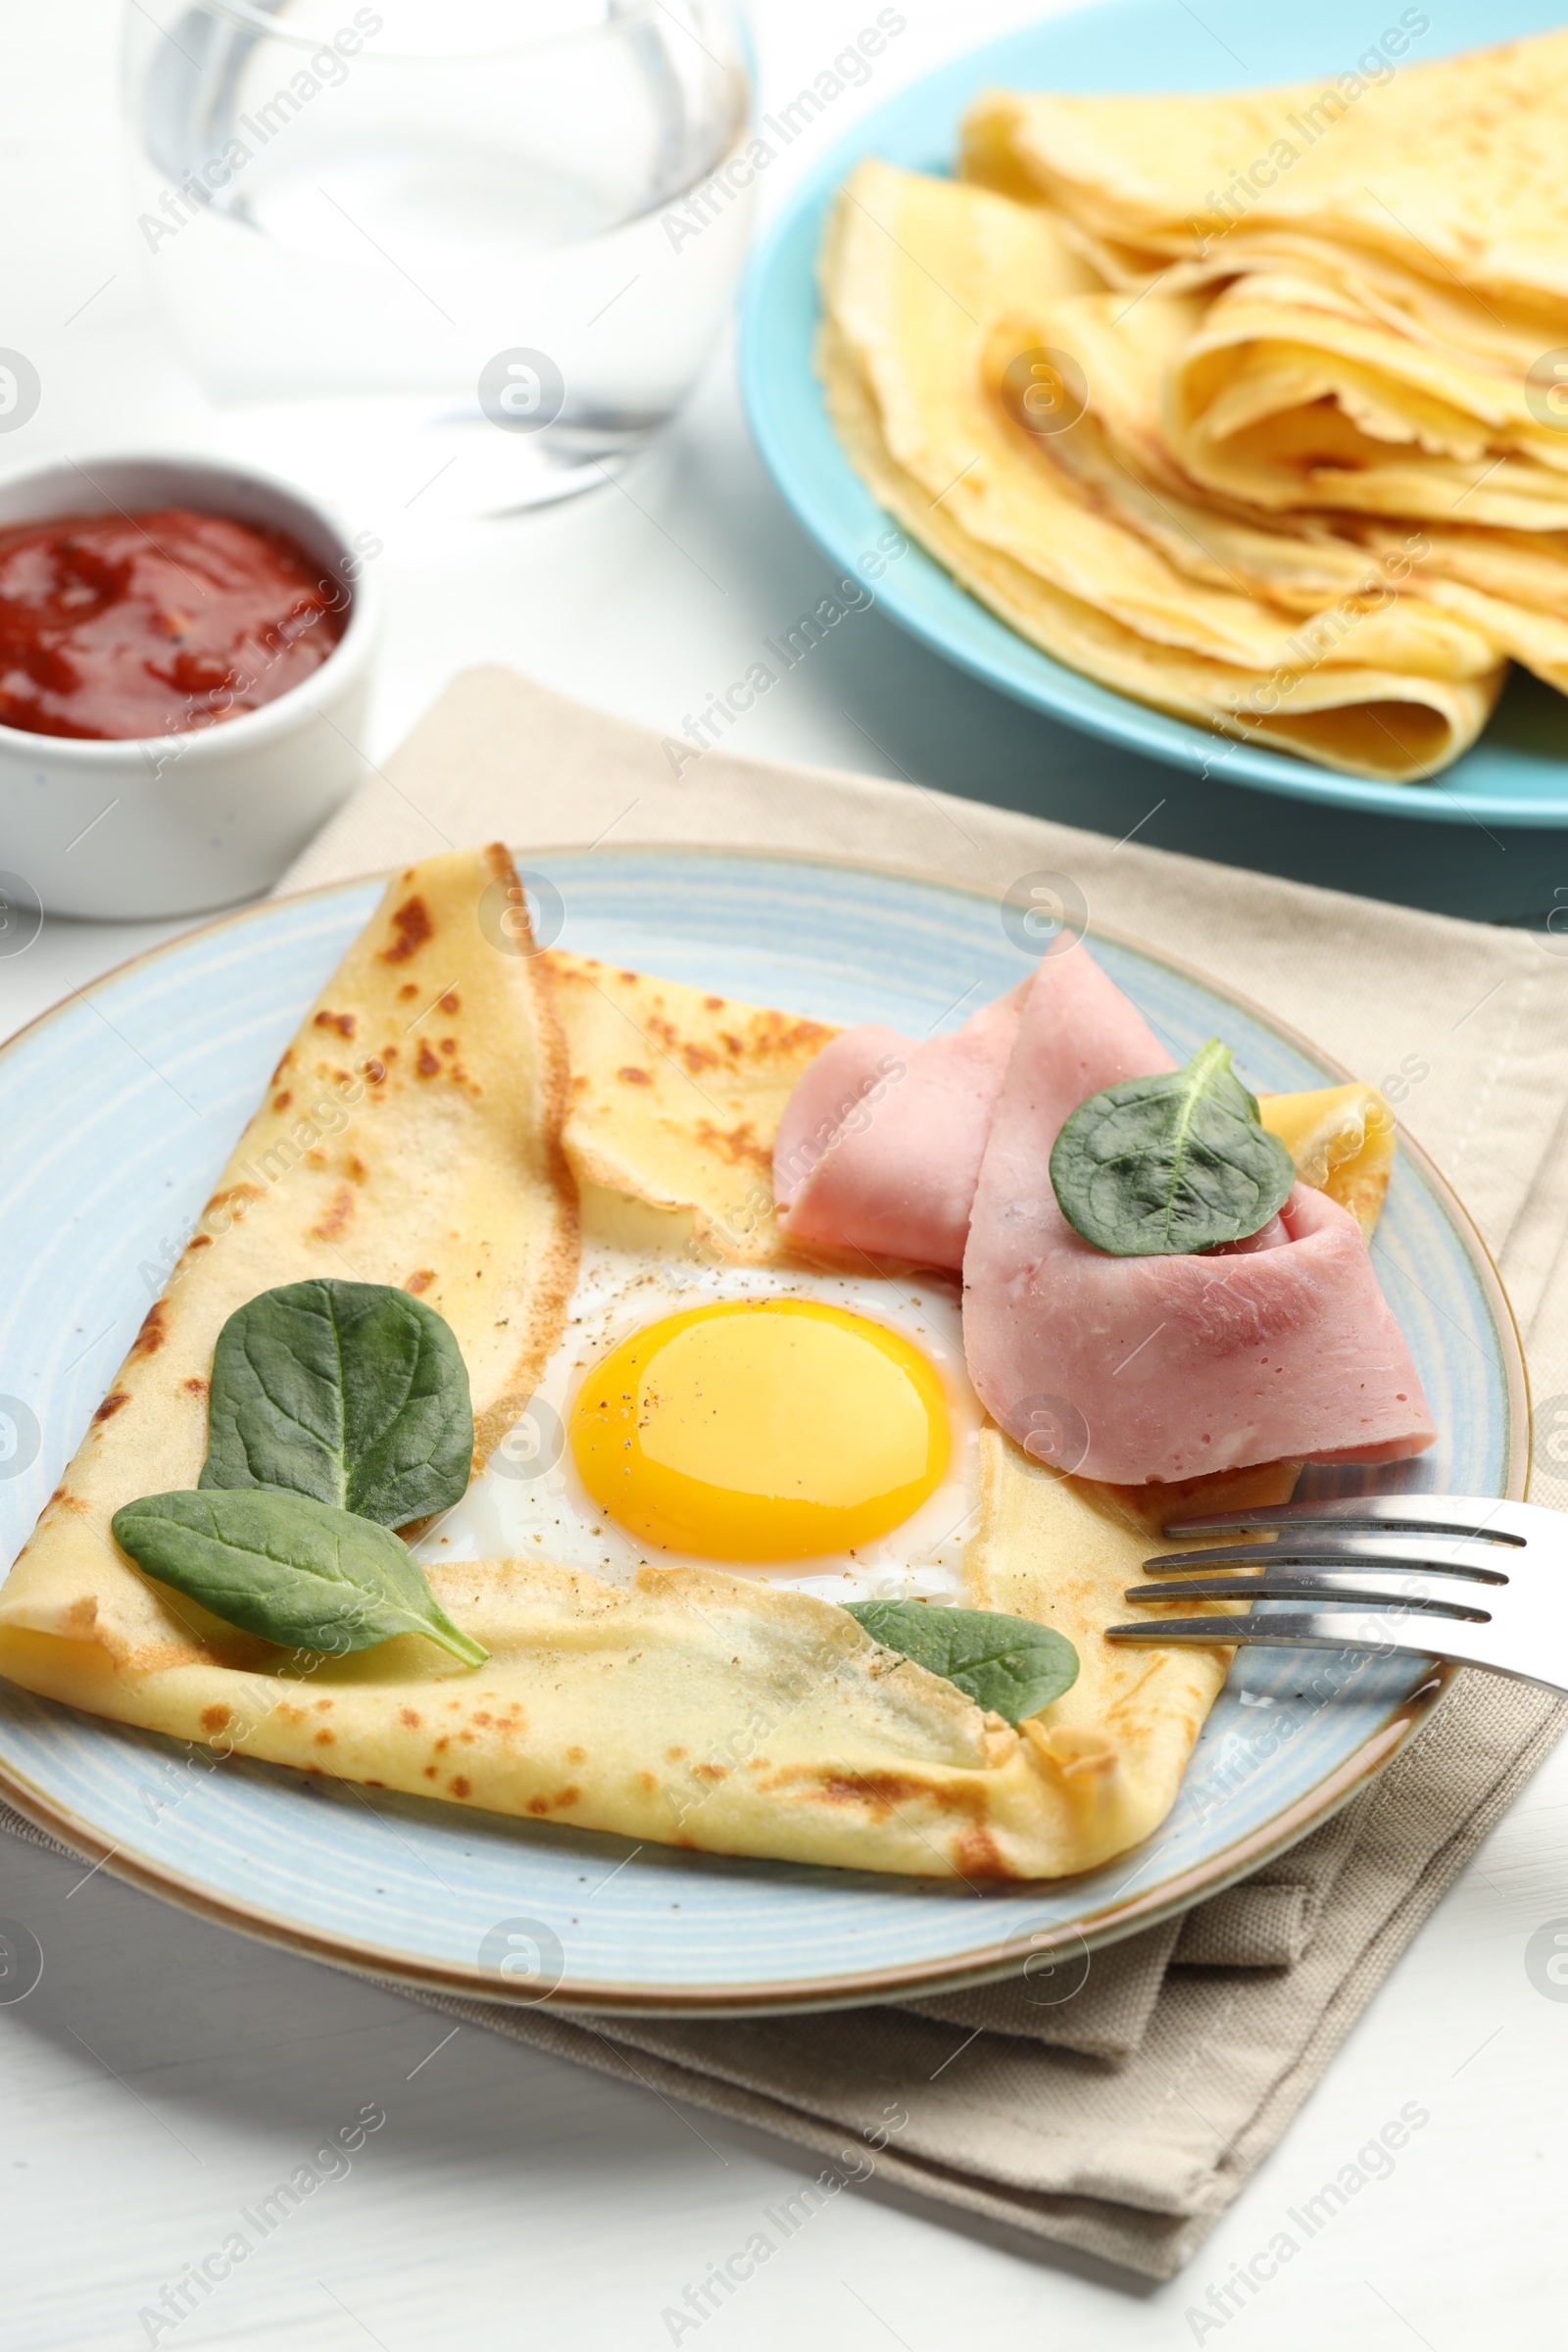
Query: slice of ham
[
  {"x": 880, "y": 1144},
  {"x": 1160, "y": 1368}
]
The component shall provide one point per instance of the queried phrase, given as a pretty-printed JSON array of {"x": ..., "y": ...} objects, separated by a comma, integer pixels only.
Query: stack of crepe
[{"x": 1247, "y": 406}]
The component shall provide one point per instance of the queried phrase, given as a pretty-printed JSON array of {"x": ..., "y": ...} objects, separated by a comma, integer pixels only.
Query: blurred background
[
  {"x": 643, "y": 599},
  {"x": 650, "y": 592}
]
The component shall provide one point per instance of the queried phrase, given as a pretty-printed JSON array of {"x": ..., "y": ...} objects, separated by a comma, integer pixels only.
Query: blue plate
[
  {"x": 1517, "y": 774},
  {"x": 117, "y": 1112}
]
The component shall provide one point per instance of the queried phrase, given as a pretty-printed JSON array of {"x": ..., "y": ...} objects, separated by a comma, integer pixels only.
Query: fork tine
[
  {"x": 1433, "y": 1514},
  {"x": 1428, "y": 1577},
  {"x": 1327, "y": 1628},
  {"x": 1397, "y": 1592},
  {"x": 1428, "y": 1640},
  {"x": 1322, "y": 1548}
]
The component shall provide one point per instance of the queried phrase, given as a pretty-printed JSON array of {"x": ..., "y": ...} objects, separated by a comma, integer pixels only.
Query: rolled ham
[
  {"x": 1164, "y": 1367},
  {"x": 880, "y": 1144}
]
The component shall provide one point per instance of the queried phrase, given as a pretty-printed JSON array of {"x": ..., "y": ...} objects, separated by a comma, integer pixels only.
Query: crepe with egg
[
  {"x": 413, "y": 1137},
  {"x": 919, "y": 275}
]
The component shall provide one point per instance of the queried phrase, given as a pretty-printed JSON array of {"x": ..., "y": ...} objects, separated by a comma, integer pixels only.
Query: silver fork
[{"x": 1471, "y": 1580}]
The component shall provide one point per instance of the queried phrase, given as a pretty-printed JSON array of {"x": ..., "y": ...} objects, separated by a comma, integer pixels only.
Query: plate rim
[
  {"x": 1143, "y": 728},
  {"x": 989, "y": 1964}
]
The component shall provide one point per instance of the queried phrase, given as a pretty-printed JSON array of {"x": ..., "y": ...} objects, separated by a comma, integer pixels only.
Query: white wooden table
[{"x": 164, "y": 2075}]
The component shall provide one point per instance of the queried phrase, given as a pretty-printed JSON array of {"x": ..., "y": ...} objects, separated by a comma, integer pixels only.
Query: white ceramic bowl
[{"x": 175, "y": 825}]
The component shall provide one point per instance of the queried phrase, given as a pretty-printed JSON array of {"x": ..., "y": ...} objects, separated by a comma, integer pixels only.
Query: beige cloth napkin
[{"x": 1124, "y": 2118}]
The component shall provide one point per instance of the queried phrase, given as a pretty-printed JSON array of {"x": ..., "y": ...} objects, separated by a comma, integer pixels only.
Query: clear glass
[{"x": 526, "y": 216}]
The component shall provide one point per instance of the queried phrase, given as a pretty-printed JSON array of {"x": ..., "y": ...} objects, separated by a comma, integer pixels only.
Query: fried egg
[{"x": 815, "y": 1428}]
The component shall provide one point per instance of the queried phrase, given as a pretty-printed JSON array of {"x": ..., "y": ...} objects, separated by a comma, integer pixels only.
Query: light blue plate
[
  {"x": 1517, "y": 774},
  {"x": 117, "y": 1112}
]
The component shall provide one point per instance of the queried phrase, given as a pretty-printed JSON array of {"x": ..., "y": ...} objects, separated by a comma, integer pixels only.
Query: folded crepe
[
  {"x": 1388, "y": 248},
  {"x": 416, "y": 1133},
  {"x": 1449, "y": 167},
  {"x": 1291, "y": 395},
  {"x": 1408, "y": 593},
  {"x": 674, "y": 1099},
  {"x": 919, "y": 277}
]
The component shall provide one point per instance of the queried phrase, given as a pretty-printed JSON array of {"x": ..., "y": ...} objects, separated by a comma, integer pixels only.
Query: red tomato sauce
[{"x": 119, "y": 625}]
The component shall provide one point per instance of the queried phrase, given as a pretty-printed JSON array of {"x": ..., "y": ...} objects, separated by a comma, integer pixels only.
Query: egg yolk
[{"x": 766, "y": 1429}]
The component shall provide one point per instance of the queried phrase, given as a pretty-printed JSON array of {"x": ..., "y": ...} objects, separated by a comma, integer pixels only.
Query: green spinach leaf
[
  {"x": 1009, "y": 1664},
  {"x": 351, "y": 1392},
  {"x": 294, "y": 1570},
  {"x": 1162, "y": 1166}
]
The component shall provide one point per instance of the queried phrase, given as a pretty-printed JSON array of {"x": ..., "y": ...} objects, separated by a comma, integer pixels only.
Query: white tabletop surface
[{"x": 165, "y": 2073}]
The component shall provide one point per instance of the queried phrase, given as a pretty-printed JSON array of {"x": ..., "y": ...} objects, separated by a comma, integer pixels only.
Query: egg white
[{"x": 531, "y": 1504}]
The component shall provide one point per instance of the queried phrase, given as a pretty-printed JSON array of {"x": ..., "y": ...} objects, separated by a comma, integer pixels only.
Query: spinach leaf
[
  {"x": 1166, "y": 1165},
  {"x": 291, "y": 1569},
  {"x": 1009, "y": 1664},
  {"x": 350, "y": 1391}
]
